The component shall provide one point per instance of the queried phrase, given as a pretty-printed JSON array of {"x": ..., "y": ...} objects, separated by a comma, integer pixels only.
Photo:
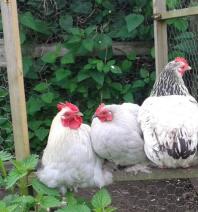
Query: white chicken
[
  {"x": 69, "y": 161},
  {"x": 117, "y": 137},
  {"x": 169, "y": 119}
]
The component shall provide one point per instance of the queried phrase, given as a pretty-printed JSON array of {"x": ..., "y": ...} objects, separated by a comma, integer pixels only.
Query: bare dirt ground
[{"x": 152, "y": 196}]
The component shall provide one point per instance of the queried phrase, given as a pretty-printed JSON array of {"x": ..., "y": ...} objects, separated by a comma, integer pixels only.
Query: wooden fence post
[
  {"x": 160, "y": 35},
  {"x": 15, "y": 77}
]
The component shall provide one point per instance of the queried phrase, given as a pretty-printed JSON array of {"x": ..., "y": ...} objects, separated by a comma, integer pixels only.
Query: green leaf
[
  {"x": 126, "y": 65},
  {"x": 41, "y": 133},
  {"x": 62, "y": 74},
  {"x": 185, "y": 35},
  {"x": 117, "y": 86},
  {"x": 71, "y": 200},
  {"x": 101, "y": 199},
  {"x": 138, "y": 84},
  {"x": 82, "y": 76},
  {"x": 42, "y": 189},
  {"x": 100, "y": 65},
  {"x": 88, "y": 44},
  {"x": 66, "y": 22},
  {"x": 27, "y": 64},
  {"x": 5, "y": 156},
  {"x": 34, "y": 105},
  {"x": 13, "y": 176},
  {"x": 115, "y": 69},
  {"x": 144, "y": 73},
  {"x": 49, "y": 57},
  {"x": 68, "y": 58},
  {"x": 188, "y": 46},
  {"x": 128, "y": 97},
  {"x": 27, "y": 201},
  {"x": 103, "y": 41},
  {"x": 131, "y": 56},
  {"x": 41, "y": 87},
  {"x": 3, "y": 92},
  {"x": 179, "y": 23},
  {"x": 30, "y": 162},
  {"x": 75, "y": 208},
  {"x": 81, "y": 6},
  {"x": 49, "y": 202},
  {"x": 133, "y": 21},
  {"x": 98, "y": 77},
  {"x": 47, "y": 97},
  {"x": 28, "y": 20}
]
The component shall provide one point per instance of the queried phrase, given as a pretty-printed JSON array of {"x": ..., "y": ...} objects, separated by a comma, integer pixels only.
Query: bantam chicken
[
  {"x": 169, "y": 119},
  {"x": 116, "y": 136},
  {"x": 69, "y": 161}
]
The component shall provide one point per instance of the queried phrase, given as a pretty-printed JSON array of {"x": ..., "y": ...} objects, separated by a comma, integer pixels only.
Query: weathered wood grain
[
  {"x": 15, "y": 77},
  {"x": 160, "y": 35}
]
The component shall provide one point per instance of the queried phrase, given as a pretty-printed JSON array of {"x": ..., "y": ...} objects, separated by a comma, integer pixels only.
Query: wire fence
[{"x": 183, "y": 41}]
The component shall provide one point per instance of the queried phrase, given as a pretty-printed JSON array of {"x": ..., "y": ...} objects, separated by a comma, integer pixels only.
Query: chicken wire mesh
[
  {"x": 183, "y": 41},
  {"x": 144, "y": 196}
]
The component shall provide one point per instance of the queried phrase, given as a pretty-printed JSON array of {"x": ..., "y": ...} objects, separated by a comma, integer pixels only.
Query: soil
[{"x": 152, "y": 196}]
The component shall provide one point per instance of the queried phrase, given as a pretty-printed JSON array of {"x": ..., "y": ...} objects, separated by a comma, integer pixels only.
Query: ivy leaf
[
  {"x": 41, "y": 87},
  {"x": 67, "y": 58},
  {"x": 117, "y": 86},
  {"x": 144, "y": 73},
  {"x": 49, "y": 57},
  {"x": 179, "y": 23},
  {"x": 138, "y": 84},
  {"x": 101, "y": 199},
  {"x": 81, "y": 6},
  {"x": 115, "y": 69},
  {"x": 128, "y": 97},
  {"x": 28, "y": 20},
  {"x": 49, "y": 202},
  {"x": 98, "y": 77},
  {"x": 42, "y": 189},
  {"x": 34, "y": 105},
  {"x": 103, "y": 41},
  {"x": 41, "y": 133},
  {"x": 47, "y": 97},
  {"x": 62, "y": 74},
  {"x": 82, "y": 76},
  {"x": 88, "y": 44},
  {"x": 27, "y": 64},
  {"x": 66, "y": 22},
  {"x": 133, "y": 21}
]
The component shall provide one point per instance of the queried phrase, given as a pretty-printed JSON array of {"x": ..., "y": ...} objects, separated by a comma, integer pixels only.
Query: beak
[
  {"x": 94, "y": 116},
  {"x": 79, "y": 113},
  {"x": 189, "y": 68}
]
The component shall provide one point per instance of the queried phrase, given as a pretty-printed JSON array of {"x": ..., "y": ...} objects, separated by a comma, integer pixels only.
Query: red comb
[
  {"x": 100, "y": 107},
  {"x": 181, "y": 59},
  {"x": 73, "y": 107}
]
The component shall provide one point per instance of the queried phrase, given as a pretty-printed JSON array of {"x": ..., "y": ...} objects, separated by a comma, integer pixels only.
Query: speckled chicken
[
  {"x": 169, "y": 119},
  {"x": 69, "y": 161}
]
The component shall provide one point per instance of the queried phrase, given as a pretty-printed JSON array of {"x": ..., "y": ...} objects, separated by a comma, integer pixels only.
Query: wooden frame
[
  {"x": 16, "y": 84},
  {"x": 15, "y": 77}
]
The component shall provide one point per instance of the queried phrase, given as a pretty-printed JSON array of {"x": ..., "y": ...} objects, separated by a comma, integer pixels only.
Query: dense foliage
[{"x": 89, "y": 73}]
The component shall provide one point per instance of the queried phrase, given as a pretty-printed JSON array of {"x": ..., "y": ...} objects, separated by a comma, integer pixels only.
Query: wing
[{"x": 170, "y": 128}]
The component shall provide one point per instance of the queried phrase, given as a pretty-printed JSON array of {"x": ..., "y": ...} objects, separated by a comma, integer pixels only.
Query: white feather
[
  {"x": 165, "y": 120},
  {"x": 69, "y": 161},
  {"x": 119, "y": 140}
]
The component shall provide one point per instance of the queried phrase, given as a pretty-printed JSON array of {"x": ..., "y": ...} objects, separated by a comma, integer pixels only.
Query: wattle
[{"x": 73, "y": 123}]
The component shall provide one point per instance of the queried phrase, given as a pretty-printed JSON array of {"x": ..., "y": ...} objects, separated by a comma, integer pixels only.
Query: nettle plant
[{"x": 26, "y": 193}]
